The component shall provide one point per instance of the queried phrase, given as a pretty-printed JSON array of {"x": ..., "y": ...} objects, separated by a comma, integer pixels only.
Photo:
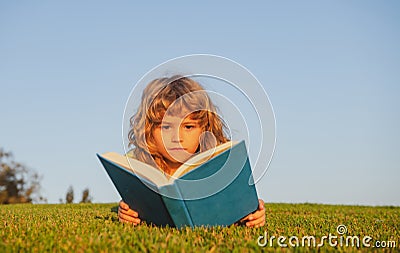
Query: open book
[{"x": 214, "y": 187}]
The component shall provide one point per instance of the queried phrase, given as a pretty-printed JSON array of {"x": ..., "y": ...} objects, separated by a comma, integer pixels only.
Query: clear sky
[{"x": 331, "y": 70}]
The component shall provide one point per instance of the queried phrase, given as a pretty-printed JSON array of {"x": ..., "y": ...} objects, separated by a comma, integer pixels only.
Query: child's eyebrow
[{"x": 191, "y": 121}]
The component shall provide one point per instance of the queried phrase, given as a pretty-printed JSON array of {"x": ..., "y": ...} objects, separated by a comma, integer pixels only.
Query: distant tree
[
  {"x": 69, "y": 198},
  {"x": 18, "y": 184},
  {"x": 86, "y": 198}
]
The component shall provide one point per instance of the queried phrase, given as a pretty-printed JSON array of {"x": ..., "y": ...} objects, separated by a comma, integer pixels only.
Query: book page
[
  {"x": 199, "y": 159},
  {"x": 139, "y": 168}
]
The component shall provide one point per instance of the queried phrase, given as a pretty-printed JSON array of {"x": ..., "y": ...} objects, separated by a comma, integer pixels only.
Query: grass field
[{"x": 95, "y": 228}]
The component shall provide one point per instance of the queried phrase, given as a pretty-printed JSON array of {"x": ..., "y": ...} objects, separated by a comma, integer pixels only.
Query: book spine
[{"x": 176, "y": 206}]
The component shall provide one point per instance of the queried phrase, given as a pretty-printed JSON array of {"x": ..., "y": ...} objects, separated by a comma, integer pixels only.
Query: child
[{"x": 175, "y": 120}]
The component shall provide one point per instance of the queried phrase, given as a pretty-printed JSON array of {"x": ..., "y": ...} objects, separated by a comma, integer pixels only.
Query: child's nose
[{"x": 175, "y": 136}]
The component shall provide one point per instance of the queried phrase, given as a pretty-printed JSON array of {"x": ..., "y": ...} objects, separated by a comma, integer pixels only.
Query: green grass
[{"x": 95, "y": 227}]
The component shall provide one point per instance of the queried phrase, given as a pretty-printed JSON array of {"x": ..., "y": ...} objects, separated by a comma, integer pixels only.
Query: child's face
[{"x": 177, "y": 138}]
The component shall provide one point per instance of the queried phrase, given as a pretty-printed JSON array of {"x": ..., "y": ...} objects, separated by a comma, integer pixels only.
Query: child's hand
[
  {"x": 127, "y": 215},
  {"x": 257, "y": 218}
]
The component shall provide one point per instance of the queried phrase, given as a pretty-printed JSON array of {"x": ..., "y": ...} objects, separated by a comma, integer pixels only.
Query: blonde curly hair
[{"x": 173, "y": 96}]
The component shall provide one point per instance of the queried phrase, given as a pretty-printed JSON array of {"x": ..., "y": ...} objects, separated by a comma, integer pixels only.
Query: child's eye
[
  {"x": 189, "y": 126},
  {"x": 165, "y": 127}
]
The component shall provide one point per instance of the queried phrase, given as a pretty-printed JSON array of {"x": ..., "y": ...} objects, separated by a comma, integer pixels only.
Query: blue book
[{"x": 214, "y": 187}]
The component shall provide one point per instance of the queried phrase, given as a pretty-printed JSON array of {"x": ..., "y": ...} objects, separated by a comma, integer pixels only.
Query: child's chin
[{"x": 180, "y": 158}]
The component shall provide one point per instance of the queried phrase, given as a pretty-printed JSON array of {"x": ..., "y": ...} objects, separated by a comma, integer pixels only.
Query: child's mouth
[{"x": 176, "y": 149}]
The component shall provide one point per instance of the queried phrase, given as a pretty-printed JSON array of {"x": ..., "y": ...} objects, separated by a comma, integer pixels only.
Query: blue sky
[{"x": 330, "y": 69}]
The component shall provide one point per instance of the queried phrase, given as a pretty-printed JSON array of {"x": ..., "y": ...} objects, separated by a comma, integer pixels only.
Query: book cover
[{"x": 218, "y": 190}]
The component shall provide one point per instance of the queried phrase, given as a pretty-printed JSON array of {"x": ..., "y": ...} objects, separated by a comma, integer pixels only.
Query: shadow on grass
[
  {"x": 113, "y": 216},
  {"x": 114, "y": 209}
]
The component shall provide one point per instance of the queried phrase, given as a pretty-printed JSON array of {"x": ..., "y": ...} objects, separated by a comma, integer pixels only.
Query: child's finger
[
  {"x": 257, "y": 222},
  {"x": 245, "y": 218},
  {"x": 261, "y": 204},
  {"x": 256, "y": 215},
  {"x": 129, "y": 212},
  {"x": 128, "y": 219},
  {"x": 252, "y": 216},
  {"x": 123, "y": 205},
  {"x": 135, "y": 221}
]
